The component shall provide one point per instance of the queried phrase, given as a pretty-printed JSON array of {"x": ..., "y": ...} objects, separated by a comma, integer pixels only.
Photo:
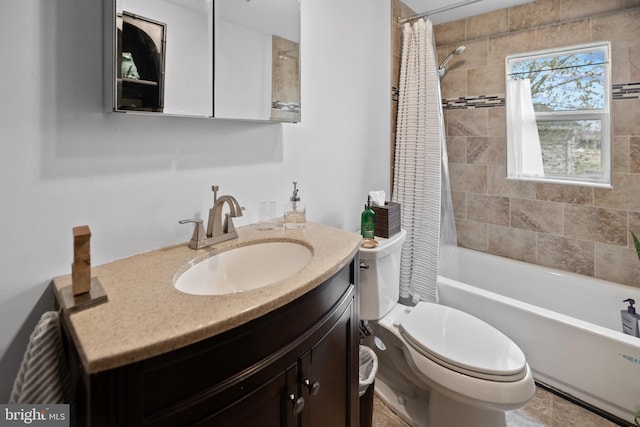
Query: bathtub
[{"x": 568, "y": 325}]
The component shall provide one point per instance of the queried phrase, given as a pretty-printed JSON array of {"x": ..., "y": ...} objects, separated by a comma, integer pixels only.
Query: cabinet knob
[
  {"x": 314, "y": 387},
  {"x": 298, "y": 403}
]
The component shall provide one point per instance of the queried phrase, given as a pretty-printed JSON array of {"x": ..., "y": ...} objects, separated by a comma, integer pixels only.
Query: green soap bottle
[{"x": 368, "y": 221}]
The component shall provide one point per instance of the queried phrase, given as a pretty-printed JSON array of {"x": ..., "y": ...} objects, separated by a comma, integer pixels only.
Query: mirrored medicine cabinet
[{"x": 226, "y": 59}]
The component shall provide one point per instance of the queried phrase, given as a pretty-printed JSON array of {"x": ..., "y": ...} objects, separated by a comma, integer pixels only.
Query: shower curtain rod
[{"x": 439, "y": 10}]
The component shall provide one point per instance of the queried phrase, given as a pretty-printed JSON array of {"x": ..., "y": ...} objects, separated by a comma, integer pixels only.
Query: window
[{"x": 558, "y": 115}]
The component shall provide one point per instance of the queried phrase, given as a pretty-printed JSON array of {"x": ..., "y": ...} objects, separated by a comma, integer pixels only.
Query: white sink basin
[{"x": 244, "y": 268}]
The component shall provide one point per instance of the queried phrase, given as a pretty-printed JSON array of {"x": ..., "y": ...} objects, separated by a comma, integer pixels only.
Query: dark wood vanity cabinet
[{"x": 296, "y": 366}]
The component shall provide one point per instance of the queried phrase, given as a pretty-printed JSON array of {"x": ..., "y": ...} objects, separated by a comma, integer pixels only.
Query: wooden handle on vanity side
[{"x": 81, "y": 267}]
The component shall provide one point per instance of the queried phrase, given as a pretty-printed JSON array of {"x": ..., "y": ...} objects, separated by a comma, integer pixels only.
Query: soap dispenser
[
  {"x": 368, "y": 221},
  {"x": 294, "y": 211},
  {"x": 630, "y": 319}
]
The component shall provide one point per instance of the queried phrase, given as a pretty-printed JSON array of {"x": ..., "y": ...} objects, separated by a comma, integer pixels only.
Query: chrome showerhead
[
  {"x": 442, "y": 68},
  {"x": 288, "y": 54},
  {"x": 459, "y": 50}
]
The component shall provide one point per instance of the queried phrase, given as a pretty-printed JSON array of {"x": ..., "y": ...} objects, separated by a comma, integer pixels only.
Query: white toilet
[{"x": 438, "y": 366}]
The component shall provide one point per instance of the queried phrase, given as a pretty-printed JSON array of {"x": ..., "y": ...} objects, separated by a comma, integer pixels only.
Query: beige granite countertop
[{"x": 146, "y": 316}]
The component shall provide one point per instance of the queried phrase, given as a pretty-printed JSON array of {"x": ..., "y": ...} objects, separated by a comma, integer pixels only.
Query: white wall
[{"x": 63, "y": 162}]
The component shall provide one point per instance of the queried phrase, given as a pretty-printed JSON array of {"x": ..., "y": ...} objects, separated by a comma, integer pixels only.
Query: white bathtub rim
[
  {"x": 450, "y": 259},
  {"x": 559, "y": 317}
]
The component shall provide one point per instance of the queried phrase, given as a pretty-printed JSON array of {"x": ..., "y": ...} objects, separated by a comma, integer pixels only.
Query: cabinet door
[
  {"x": 293, "y": 402},
  {"x": 267, "y": 406},
  {"x": 327, "y": 377}
]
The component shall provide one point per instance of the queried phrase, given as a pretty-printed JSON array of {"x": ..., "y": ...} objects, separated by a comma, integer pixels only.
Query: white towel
[{"x": 44, "y": 376}]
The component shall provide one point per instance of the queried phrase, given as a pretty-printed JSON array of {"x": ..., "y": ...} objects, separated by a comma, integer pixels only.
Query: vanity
[{"x": 285, "y": 354}]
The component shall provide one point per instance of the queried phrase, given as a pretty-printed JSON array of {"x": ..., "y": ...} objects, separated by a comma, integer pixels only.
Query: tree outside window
[{"x": 570, "y": 91}]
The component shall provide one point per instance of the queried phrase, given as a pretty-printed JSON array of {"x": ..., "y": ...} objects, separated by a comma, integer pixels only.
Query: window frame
[{"x": 604, "y": 179}]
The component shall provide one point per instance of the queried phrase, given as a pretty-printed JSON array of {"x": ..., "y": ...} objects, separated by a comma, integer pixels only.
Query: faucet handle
[
  {"x": 215, "y": 189},
  {"x": 198, "y": 232}
]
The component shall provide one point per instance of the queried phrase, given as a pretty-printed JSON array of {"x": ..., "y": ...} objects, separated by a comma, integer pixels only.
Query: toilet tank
[{"x": 380, "y": 276}]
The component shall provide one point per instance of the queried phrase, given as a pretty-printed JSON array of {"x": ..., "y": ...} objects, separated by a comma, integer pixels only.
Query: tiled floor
[{"x": 544, "y": 410}]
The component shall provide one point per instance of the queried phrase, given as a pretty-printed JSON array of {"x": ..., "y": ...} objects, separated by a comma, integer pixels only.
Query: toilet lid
[{"x": 463, "y": 343}]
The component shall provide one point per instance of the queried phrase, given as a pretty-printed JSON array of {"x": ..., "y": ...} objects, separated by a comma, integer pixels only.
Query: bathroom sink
[{"x": 244, "y": 268}]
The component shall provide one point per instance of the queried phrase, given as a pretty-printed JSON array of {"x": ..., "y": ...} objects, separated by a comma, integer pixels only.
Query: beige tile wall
[
  {"x": 285, "y": 77},
  {"x": 573, "y": 228}
]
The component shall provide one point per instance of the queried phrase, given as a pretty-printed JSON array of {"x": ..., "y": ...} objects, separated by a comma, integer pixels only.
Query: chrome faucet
[{"x": 217, "y": 231}]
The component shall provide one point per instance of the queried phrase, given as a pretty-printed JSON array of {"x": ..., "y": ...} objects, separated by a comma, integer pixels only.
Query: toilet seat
[{"x": 462, "y": 343}]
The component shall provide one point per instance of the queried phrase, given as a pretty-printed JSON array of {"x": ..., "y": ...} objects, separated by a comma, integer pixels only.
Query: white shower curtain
[
  {"x": 418, "y": 162},
  {"x": 524, "y": 155}
]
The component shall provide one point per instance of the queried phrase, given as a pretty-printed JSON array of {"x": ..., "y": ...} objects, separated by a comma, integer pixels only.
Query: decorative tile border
[
  {"x": 619, "y": 91},
  {"x": 395, "y": 94},
  {"x": 626, "y": 91},
  {"x": 473, "y": 102}
]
